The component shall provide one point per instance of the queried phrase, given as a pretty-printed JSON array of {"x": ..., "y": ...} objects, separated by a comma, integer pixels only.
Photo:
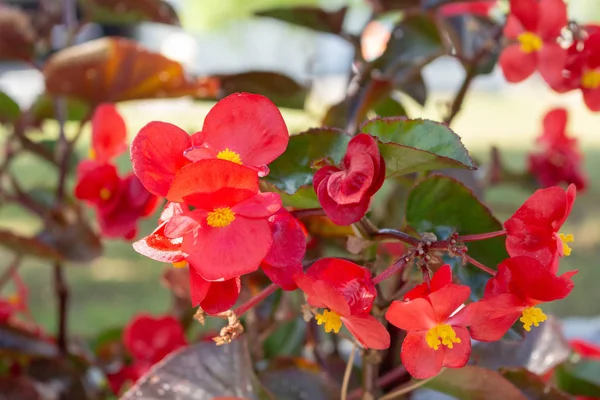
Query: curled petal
[
  {"x": 368, "y": 331},
  {"x": 213, "y": 297}
]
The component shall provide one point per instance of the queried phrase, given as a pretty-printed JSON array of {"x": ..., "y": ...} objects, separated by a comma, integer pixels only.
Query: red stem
[
  {"x": 396, "y": 234},
  {"x": 479, "y": 265},
  {"x": 481, "y": 236},
  {"x": 385, "y": 380},
  {"x": 398, "y": 266},
  {"x": 253, "y": 301},
  {"x": 308, "y": 212}
]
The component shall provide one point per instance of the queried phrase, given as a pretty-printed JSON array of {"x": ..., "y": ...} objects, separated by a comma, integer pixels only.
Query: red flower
[
  {"x": 15, "y": 303},
  {"x": 519, "y": 286},
  {"x": 227, "y": 234},
  {"x": 441, "y": 278},
  {"x": 345, "y": 290},
  {"x": 242, "y": 128},
  {"x": 213, "y": 297},
  {"x": 559, "y": 160},
  {"x": 536, "y": 25},
  {"x": 149, "y": 339},
  {"x": 98, "y": 184},
  {"x": 436, "y": 327},
  {"x": 109, "y": 134},
  {"x": 533, "y": 229},
  {"x": 284, "y": 259},
  {"x": 585, "y": 349},
  {"x": 468, "y": 7},
  {"x": 345, "y": 192}
]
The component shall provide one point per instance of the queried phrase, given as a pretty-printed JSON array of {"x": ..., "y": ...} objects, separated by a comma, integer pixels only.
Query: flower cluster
[
  {"x": 119, "y": 201},
  {"x": 558, "y": 159},
  {"x": 217, "y": 220}
]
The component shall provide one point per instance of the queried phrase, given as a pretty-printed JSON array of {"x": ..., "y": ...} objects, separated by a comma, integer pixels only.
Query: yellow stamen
[
  {"x": 331, "y": 319},
  {"x": 13, "y": 299},
  {"x": 566, "y": 250},
  {"x": 105, "y": 194},
  {"x": 532, "y": 316},
  {"x": 590, "y": 79},
  {"x": 530, "y": 42},
  {"x": 220, "y": 217},
  {"x": 441, "y": 335},
  {"x": 92, "y": 154},
  {"x": 230, "y": 156},
  {"x": 180, "y": 264}
]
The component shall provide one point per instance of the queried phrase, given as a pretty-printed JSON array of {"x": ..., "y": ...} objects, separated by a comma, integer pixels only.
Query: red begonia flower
[
  {"x": 468, "y": 7},
  {"x": 590, "y": 75},
  {"x": 436, "y": 330},
  {"x": 284, "y": 259},
  {"x": 149, "y": 339},
  {"x": 345, "y": 192},
  {"x": 244, "y": 128},
  {"x": 213, "y": 297},
  {"x": 441, "y": 278},
  {"x": 15, "y": 303},
  {"x": 98, "y": 184},
  {"x": 345, "y": 290},
  {"x": 109, "y": 133},
  {"x": 519, "y": 286},
  {"x": 159, "y": 247},
  {"x": 227, "y": 234},
  {"x": 133, "y": 203},
  {"x": 536, "y": 26},
  {"x": 533, "y": 229},
  {"x": 559, "y": 159}
]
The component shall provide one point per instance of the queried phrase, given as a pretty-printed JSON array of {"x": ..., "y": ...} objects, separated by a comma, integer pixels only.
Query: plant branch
[
  {"x": 62, "y": 295},
  {"x": 253, "y": 301},
  {"x": 396, "y": 267},
  {"x": 406, "y": 389},
  {"x": 396, "y": 234},
  {"x": 308, "y": 212},
  {"x": 10, "y": 270},
  {"x": 480, "y": 236},
  {"x": 347, "y": 373},
  {"x": 479, "y": 265},
  {"x": 385, "y": 380}
]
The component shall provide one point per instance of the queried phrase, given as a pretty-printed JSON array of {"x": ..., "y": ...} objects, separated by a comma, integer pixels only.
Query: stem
[
  {"x": 308, "y": 212},
  {"x": 347, "y": 373},
  {"x": 10, "y": 270},
  {"x": 370, "y": 372},
  {"x": 382, "y": 382},
  {"x": 396, "y": 234},
  {"x": 62, "y": 295},
  {"x": 426, "y": 276},
  {"x": 481, "y": 236},
  {"x": 479, "y": 265},
  {"x": 398, "y": 266},
  {"x": 406, "y": 389},
  {"x": 253, "y": 301}
]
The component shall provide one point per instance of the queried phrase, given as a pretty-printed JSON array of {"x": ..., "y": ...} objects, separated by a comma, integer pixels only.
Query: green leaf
[
  {"x": 293, "y": 169},
  {"x": 119, "y": 12},
  {"x": 9, "y": 109},
  {"x": 442, "y": 205},
  {"x": 27, "y": 246},
  {"x": 201, "y": 371},
  {"x": 474, "y": 383},
  {"x": 411, "y": 145},
  {"x": 579, "y": 378},
  {"x": 43, "y": 109},
  {"x": 532, "y": 385},
  {"x": 313, "y": 18},
  {"x": 389, "y": 107},
  {"x": 415, "y": 88},
  {"x": 287, "y": 340}
]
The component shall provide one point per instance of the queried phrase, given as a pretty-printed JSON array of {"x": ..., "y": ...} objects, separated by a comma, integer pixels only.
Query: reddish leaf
[
  {"x": 117, "y": 69},
  {"x": 310, "y": 17},
  {"x": 18, "y": 388},
  {"x": 27, "y": 246},
  {"x": 129, "y": 11},
  {"x": 16, "y": 34}
]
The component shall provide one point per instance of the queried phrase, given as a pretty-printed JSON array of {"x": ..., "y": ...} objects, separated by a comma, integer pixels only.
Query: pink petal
[
  {"x": 197, "y": 153},
  {"x": 261, "y": 205},
  {"x": 414, "y": 315},
  {"x": 420, "y": 360},
  {"x": 248, "y": 124},
  {"x": 170, "y": 210},
  {"x": 157, "y": 155},
  {"x": 160, "y": 248},
  {"x": 368, "y": 331},
  {"x": 181, "y": 224},
  {"x": 517, "y": 65}
]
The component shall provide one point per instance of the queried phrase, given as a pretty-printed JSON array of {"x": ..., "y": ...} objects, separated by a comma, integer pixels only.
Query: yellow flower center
[
  {"x": 530, "y": 42},
  {"x": 180, "y": 264},
  {"x": 13, "y": 299},
  {"x": 441, "y": 335},
  {"x": 220, "y": 217},
  {"x": 92, "y": 154},
  {"x": 532, "y": 316},
  {"x": 590, "y": 79},
  {"x": 230, "y": 156},
  {"x": 331, "y": 319},
  {"x": 566, "y": 250},
  {"x": 105, "y": 194}
]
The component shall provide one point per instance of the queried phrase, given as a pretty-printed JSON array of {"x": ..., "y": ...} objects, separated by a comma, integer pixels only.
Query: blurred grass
[{"x": 111, "y": 290}]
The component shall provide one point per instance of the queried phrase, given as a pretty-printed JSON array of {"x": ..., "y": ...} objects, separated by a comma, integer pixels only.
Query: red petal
[
  {"x": 170, "y": 210},
  {"x": 160, "y": 248},
  {"x": 555, "y": 125},
  {"x": 552, "y": 18},
  {"x": 157, "y": 155},
  {"x": 322, "y": 174},
  {"x": 289, "y": 240},
  {"x": 517, "y": 65},
  {"x": 231, "y": 251},
  {"x": 150, "y": 339},
  {"x": 414, "y": 315},
  {"x": 526, "y": 11},
  {"x": 341, "y": 214},
  {"x": 551, "y": 62},
  {"x": 213, "y": 297},
  {"x": 284, "y": 275},
  {"x": 181, "y": 224},
  {"x": 585, "y": 349},
  {"x": 441, "y": 278},
  {"x": 513, "y": 27},
  {"x": 93, "y": 179},
  {"x": 368, "y": 331},
  {"x": 492, "y": 317},
  {"x": 351, "y": 186},
  {"x": 331, "y": 298},
  {"x": 591, "y": 97},
  {"x": 446, "y": 300},
  {"x": 108, "y": 133},
  {"x": 307, "y": 285},
  {"x": 458, "y": 355},
  {"x": 261, "y": 205},
  {"x": 420, "y": 360},
  {"x": 248, "y": 124},
  {"x": 209, "y": 184}
]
